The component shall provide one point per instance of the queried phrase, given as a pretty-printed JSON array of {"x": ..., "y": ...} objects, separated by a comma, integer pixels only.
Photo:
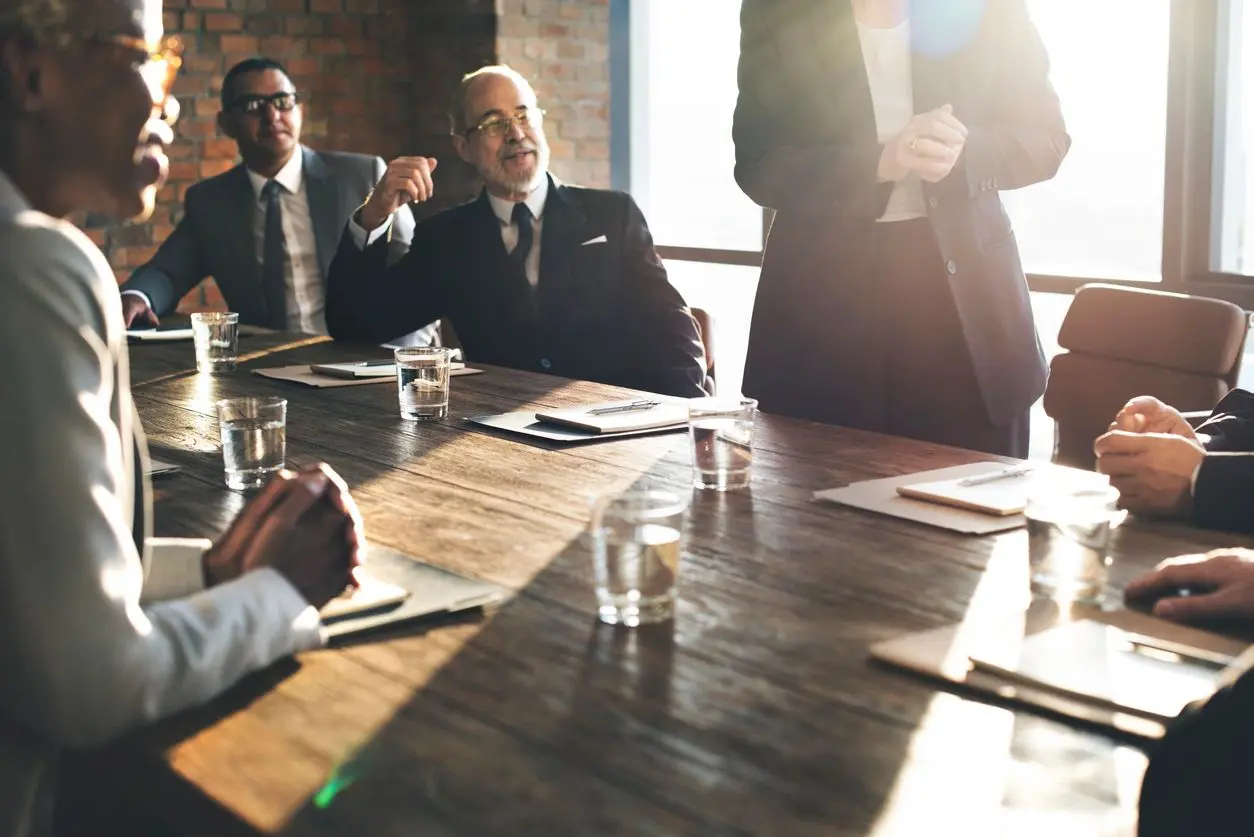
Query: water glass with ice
[
  {"x": 1069, "y": 535},
  {"x": 721, "y": 430},
  {"x": 636, "y": 546},
  {"x": 216, "y": 338},
  {"x": 422, "y": 374},
  {"x": 254, "y": 439}
]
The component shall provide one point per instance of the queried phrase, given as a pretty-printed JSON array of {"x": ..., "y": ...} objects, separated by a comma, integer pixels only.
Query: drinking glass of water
[
  {"x": 422, "y": 381},
  {"x": 1069, "y": 533},
  {"x": 216, "y": 337},
  {"x": 722, "y": 441},
  {"x": 254, "y": 439},
  {"x": 635, "y": 555}
]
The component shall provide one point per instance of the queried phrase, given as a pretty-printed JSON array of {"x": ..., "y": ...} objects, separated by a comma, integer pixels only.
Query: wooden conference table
[{"x": 756, "y": 712}]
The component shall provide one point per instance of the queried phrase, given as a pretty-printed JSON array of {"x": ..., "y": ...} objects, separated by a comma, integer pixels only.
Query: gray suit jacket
[
  {"x": 215, "y": 237},
  {"x": 93, "y": 640}
]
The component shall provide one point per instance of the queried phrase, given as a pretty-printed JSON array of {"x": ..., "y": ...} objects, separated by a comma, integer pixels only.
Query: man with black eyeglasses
[
  {"x": 534, "y": 274},
  {"x": 267, "y": 229}
]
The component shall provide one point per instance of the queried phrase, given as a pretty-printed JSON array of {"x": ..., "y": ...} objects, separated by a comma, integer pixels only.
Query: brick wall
[
  {"x": 563, "y": 47},
  {"x": 377, "y": 76}
]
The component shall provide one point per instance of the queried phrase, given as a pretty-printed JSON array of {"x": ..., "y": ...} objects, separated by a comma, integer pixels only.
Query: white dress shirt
[
  {"x": 306, "y": 296},
  {"x": 886, "y": 53},
  {"x": 94, "y": 641},
  {"x": 504, "y": 211}
]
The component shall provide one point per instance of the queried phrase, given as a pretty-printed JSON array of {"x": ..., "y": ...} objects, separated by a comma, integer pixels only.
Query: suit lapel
[
  {"x": 324, "y": 208},
  {"x": 559, "y": 236},
  {"x": 239, "y": 218}
]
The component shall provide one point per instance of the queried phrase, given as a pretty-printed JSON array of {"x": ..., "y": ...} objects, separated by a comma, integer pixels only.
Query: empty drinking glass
[
  {"x": 1069, "y": 532},
  {"x": 722, "y": 441},
  {"x": 254, "y": 439},
  {"x": 636, "y": 545},
  {"x": 216, "y": 337},
  {"x": 422, "y": 374}
]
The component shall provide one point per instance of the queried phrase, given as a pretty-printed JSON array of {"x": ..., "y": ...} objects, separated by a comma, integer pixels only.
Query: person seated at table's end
[
  {"x": 103, "y": 627},
  {"x": 1198, "y": 776},
  {"x": 1162, "y": 466},
  {"x": 534, "y": 274}
]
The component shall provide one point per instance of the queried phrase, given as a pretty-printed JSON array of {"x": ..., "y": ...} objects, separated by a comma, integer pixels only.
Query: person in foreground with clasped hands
[
  {"x": 1161, "y": 465},
  {"x": 102, "y": 627}
]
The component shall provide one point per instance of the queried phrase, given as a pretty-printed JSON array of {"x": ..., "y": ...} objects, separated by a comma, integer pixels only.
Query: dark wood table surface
[
  {"x": 756, "y": 712},
  {"x": 158, "y": 361}
]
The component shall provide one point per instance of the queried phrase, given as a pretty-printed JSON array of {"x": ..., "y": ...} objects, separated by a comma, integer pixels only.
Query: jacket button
[
  {"x": 951, "y": 266},
  {"x": 932, "y": 202},
  {"x": 546, "y": 363}
]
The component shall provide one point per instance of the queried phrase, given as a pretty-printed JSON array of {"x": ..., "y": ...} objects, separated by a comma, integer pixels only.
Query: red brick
[
  {"x": 216, "y": 22},
  {"x": 219, "y": 149},
  {"x": 239, "y": 43},
  {"x": 326, "y": 6},
  {"x": 208, "y": 4},
  {"x": 212, "y": 168},
  {"x": 326, "y": 46}
]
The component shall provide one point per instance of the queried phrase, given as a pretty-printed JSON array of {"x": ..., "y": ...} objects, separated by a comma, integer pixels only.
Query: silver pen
[
  {"x": 994, "y": 476},
  {"x": 624, "y": 408}
]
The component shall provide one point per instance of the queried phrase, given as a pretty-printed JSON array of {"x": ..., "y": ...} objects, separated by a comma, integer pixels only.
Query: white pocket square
[{"x": 600, "y": 239}]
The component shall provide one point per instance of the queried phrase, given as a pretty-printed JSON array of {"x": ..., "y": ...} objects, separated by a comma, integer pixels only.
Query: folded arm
[
  {"x": 668, "y": 350},
  {"x": 780, "y": 163},
  {"x": 178, "y": 266},
  {"x": 1223, "y": 492},
  {"x": 369, "y": 299},
  {"x": 1025, "y": 140},
  {"x": 84, "y": 660},
  {"x": 1231, "y": 426}
]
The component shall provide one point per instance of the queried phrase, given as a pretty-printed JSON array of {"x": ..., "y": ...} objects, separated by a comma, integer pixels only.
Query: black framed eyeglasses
[
  {"x": 253, "y": 105},
  {"x": 499, "y": 125}
]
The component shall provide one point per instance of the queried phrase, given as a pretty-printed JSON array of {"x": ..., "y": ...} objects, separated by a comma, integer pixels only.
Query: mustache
[{"x": 510, "y": 151}]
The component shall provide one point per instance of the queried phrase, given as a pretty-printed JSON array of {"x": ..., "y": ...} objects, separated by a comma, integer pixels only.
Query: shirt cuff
[
  {"x": 302, "y": 617},
  {"x": 174, "y": 568},
  {"x": 364, "y": 239},
  {"x": 139, "y": 294}
]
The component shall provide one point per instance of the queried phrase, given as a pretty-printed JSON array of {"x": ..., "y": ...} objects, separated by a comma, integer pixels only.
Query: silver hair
[{"x": 457, "y": 110}]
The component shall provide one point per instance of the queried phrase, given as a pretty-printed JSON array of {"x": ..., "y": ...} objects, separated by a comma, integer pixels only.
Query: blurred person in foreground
[{"x": 102, "y": 627}]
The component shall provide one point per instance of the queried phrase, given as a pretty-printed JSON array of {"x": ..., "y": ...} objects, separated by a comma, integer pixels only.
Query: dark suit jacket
[
  {"x": 1198, "y": 781},
  {"x": 215, "y": 237},
  {"x": 1223, "y": 497},
  {"x": 806, "y": 145},
  {"x": 602, "y": 311}
]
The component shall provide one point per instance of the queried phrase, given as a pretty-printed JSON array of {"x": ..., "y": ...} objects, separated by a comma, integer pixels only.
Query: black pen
[{"x": 624, "y": 408}]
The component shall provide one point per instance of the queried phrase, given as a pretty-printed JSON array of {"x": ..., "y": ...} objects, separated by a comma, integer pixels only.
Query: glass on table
[
  {"x": 216, "y": 338},
  {"x": 254, "y": 439},
  {"x": 721, "y": 430},
  {"x": 422, "y": 378},
  {"x": 1069, "y": 535},
  {"x": 636, "y": 547}
]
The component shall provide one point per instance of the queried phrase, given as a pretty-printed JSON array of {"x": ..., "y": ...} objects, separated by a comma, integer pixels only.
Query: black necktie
[
  {"x": 518, "y": 256},
  {"x": 273, "y": 280}
]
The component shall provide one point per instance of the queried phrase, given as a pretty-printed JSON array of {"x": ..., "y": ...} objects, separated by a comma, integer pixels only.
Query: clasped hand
[{"x": 928, "y": 146}]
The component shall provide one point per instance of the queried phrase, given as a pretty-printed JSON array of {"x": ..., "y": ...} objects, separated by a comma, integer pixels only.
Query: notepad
[
  {"x": 612, "y": 417},
  {"x": 370, "y": 595},
  {"x": 366, "y": 369},
  {"x": 1000, "y": 489},
  {"x": 160, "y": 334},
  {"x": 1101, "y": 666}
]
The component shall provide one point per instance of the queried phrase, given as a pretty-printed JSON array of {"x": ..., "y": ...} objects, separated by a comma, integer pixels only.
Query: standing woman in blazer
[{"x": 892, "y": 297}]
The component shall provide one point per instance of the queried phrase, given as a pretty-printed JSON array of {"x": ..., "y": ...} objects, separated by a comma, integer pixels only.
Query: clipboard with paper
[{"x": 1001, "y": 490}]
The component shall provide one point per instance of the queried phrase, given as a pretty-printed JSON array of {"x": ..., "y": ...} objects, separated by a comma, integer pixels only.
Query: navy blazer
[
  {"x": 1223, "y": 496},
  {"x": 215, "y": 236},
  {"x": 807, "y": 146},
  {"x": 603, "y": 309}
]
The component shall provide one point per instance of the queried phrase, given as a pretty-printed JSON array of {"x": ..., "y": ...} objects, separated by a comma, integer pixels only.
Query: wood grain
[{"x": 755, "y": 712}]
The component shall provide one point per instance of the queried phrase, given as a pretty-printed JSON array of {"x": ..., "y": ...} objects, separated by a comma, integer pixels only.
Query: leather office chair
[
  {"x": 1124, "y": 342},
  {"x": 705, "y": 328}
]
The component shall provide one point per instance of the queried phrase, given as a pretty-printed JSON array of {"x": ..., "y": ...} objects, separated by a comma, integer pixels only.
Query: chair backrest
[
  {"x": 1124, "y": 342},
  {"x": 705, "y": 327}
]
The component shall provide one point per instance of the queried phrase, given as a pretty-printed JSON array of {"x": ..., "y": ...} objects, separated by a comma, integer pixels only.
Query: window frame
[{"x": 1197, "y": 103}]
